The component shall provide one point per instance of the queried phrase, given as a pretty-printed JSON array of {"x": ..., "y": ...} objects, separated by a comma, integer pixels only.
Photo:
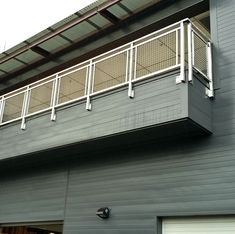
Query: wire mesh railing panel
[
  {"x": 13, "y": 107},
  {"x": 72, "y": 86},
  {"x": 200, "y": 54},
  {"x": 156, "y": 55},
  {"x": 40, "y": 97},
  {"x": 110, "y": 72},
  {"x": 185, "y": 49}
]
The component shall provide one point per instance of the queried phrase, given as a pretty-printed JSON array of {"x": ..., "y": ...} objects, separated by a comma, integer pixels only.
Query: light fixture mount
[{"x": 103, "y": 212}]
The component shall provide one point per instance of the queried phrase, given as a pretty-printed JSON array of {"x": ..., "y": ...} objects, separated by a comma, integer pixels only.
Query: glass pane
[
  {"x": 200, "y": 54},
  {"x": 156, "y": 55},
  {"x": 40, "y": 97},
  {"x": 13, "y": 107},
  {"x": 110, "y": 72},
  {"x": 72, "y": 86}
]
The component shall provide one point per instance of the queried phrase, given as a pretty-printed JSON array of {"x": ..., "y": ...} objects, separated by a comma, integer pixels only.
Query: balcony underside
[{"x": 159, "y": 109}]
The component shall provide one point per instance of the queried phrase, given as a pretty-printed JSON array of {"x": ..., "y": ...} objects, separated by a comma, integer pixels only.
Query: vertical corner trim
[{"x": 158, "y": 225}]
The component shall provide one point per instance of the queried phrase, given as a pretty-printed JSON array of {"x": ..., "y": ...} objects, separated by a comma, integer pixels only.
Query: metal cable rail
[{"x": 178, "y": 46}]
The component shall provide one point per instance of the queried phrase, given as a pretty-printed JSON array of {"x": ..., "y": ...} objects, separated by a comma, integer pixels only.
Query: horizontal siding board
[
  {"x": 226, "y": 34},
  {"x": 225, "y": 21},
  {"x": 225, "y": 10}
]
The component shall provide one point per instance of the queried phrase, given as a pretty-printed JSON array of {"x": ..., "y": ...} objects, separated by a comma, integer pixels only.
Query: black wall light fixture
[{"x": 103, "y": 212}]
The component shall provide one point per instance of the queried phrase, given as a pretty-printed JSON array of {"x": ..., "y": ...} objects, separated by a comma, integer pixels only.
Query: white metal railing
[{"x": 178, "y": 46}]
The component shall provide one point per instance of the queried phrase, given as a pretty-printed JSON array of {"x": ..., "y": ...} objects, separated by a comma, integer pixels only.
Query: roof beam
[
  {"x": 93, "y": 24},
  {"x": 66, "y": 38},
  {"x": 109, "y": 16},
  {"x": 62, "y": 36},
  {"x": 40, "y": 51},
  {"x": 19, "y": 60},
  {"x": 126, "y": 9},
  {"x": 89, "y": 21}
]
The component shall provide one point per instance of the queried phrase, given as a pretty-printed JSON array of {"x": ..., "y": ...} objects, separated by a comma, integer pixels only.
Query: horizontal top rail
[{"x": 14, "y": 93}]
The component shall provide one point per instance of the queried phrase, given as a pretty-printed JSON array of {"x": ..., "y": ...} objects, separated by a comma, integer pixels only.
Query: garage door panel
[{"x": 205, "y": 225}]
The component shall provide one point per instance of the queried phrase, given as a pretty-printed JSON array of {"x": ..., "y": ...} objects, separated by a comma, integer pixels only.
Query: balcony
[{"x": 160, "y": 79}]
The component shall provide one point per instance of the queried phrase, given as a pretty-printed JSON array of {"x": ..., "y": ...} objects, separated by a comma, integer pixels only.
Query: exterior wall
[
  {"x": 184, "y": 176},
  {"x": 33, "y": 191}
]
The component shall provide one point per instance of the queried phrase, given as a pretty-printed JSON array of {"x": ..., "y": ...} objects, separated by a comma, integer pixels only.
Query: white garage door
[{"x": 205, "y": 225}]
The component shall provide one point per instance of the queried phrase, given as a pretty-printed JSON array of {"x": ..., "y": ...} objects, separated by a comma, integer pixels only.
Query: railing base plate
[
  {"x": 131, "y": 94},
  {"x": 179, "y": 79},
  {"x": 209, "y": 93}
]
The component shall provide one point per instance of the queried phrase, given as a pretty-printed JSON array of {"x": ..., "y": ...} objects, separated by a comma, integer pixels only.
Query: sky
[{"x": 22, "y": 19}]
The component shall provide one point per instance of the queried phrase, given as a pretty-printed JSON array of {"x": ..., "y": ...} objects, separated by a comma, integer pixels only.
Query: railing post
[
  {"x": 89, "y": 84},
  {"x": 193, "y": 48},
  {"x": 130, "y": 85},
  {"x": 210, "y": 91},
  {"x": 127, "y": 66},
  {"x": 2, "y": 104},
  {"x": 177, "y": 47},
  {"x": 54, "y": 95},
  {"x": 181, "y": 77},
  {"x": 25, "y": 107},
  {"x": 190, "y": 64}
]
